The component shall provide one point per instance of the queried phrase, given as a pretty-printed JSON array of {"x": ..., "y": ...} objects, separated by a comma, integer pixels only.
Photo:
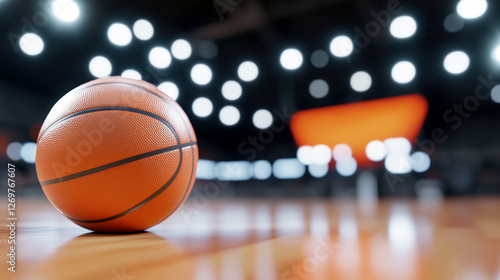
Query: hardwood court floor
[{"x": 456, "y": 239}]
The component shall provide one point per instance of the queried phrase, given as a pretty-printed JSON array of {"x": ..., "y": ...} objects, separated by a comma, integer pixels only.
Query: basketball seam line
[
  {"x": 110, "y": 108},
  {"x": 141, "y": 88},
  {"x": 115, "y": 164},
  {"x": 140, "y": 204}
]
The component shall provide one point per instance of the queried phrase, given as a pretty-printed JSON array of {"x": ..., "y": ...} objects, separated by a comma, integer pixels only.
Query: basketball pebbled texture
[{"x": 116, "y": 155}]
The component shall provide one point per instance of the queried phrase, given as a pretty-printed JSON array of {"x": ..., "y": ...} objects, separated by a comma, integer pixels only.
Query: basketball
[{"x": 116, "y": 155}]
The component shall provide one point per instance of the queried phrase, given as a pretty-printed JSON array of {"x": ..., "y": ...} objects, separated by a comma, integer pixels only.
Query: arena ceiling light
[
  {"x": 119, "y": 34},
  {"x": 100, "y": 67},
  {"x": 31, "y": 44},
  {"x": 65, "y": 10},
  {"x": 291, "y": 59},
  {"x": 341, "y": 46},
  {"x": 143, "y": 29}
]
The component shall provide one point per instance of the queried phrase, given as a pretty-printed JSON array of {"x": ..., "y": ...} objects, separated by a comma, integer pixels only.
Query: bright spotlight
[
  {"x": 160, "y": 57},
  {"x": 376, "y": 151},
  {"x": 201, "y": 74},
  {"x": 143, "y": 29},
  {"x": 470, "y": 9},
  {"x": 119, "y": 34},
  {"x": 262, "y": 119},
  {"x": 403, "y": 27},
  {"x": 31, "y": 44},
  {"x": 496, "y": 54},
  {"x": 398, "y": 163},
  {"x": 456, "y": 62},
  {"x": 361, "y": 81},
  {"x": 28, "y": 152},
  {"x": 305, "y": 155},
  {"x": 322, "y": 154},
  {"x": 229, "y": 115},
  {"x": 100, "y": 67},
  {"x": 202, "y": 107},
  {"x": 248, "y": 71},
  {"x": 318, "y": 88},
  {"x": 346, "y": 167},
  {"x": 397, "y": 146},
  {"x": 231, "y": 90},
  {"x": 169, "y": 89},
  {"x": 181, "y": 49},
  {"x": 341, "y": 46},
  {"x": 132, "y": 74},
  {"x": 420, "y": 162},
  {"x": 291, "y": 59},
  {"x": 65, "y": 10},
  {"x": 403, "y": 72}
]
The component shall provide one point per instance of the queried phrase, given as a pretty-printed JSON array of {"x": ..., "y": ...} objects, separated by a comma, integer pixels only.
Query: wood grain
[{"x": 269, "y": 239}]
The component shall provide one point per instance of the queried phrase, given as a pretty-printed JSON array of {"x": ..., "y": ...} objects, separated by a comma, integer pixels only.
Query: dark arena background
[{"x": 337, "y": 139}]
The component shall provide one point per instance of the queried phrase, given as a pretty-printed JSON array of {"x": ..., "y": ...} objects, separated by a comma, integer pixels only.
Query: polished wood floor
[{"x": 456, "y": 239}]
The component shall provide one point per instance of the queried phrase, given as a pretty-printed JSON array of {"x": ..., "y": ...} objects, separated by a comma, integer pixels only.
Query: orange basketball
[{"x": 116, "y": 155}]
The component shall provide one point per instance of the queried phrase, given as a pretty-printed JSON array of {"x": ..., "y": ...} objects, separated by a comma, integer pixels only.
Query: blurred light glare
[
  {"x": 231, "y": 90},
  {"x": 318, "y": 170},
  {"x": 229, "y": 115},
  {"x": 402, "y": 231},
  {"x": 143, "y": 29},
  {"x": 305, "y": 155},
  {"x": 160, "y": 57},
  {"x": 342, "y": 152},
  {"x": 403, "y": 72},
  {"x": 496, "y": 54},
  {"x": 495, "y": 94},
  {"x": 205, "y": 169},
  {"x": 403, "y": 27},
  {"x": 291, "y": 59},
  {"x": 28, "y": 152},
  {"x": 132, "y": 74},
  {"x": 31, "y": 44},
  {"x": 322, "y": 154},
  {"x": 288, "y": 168},
  {"x": 376, "y": 151},
  {"x": 398, "y": 163},
  {"x": 100, "y": 67},
  {"x": 181, "y": 49},
  {"x": 397, "y": 146},
  {"x": 248, "y": 71},
  {"x": 208, "y": 49},
  {"x": 453, "y": 23},
  {"x": 341, "y": 46},
  {"x": 319, "y": 58},
  {"x": 262, "y": 169},
  {"x": 420, "y": 162},
  {"x": 14, "y": 151},
  {"x": 65, "y": 10},
  {"x": 346, "y": 167},
  {"x": 318, "y": 88},
  {"x": 119, "y": 34},
  {"x": 201, "y": 74},
  {"x": 169, "y": 89},
  {"x": 456, "y": 62},
  {"x": 262, "y": 119},
  {"x": 361, "y": 81},
  {"x": 202, "y": 107},
  {"x": 233, "y": 171},
  {"x": 470, "y": 9}
]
